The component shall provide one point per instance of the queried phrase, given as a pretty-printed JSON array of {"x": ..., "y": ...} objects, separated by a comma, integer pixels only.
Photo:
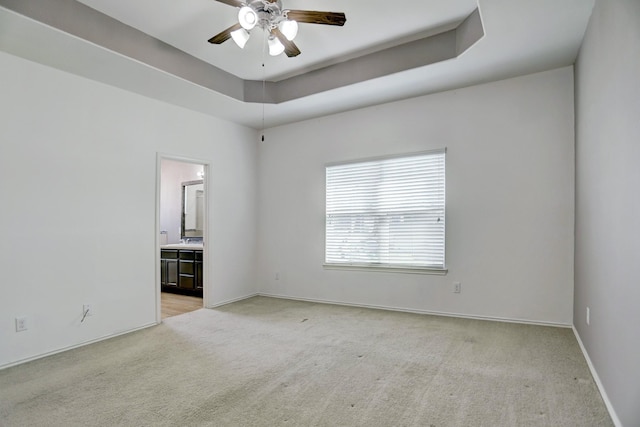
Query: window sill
[{"x": 387, "y": 269}]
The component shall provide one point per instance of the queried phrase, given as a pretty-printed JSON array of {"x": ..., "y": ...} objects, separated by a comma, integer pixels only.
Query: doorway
[{"x": 181, "y": 220}]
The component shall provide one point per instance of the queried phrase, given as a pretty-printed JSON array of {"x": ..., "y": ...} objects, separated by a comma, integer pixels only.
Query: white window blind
[{"x": 387, "y": 213}]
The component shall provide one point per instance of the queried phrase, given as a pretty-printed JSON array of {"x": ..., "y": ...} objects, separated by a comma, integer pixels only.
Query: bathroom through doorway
[{"x": 182, "y": 222}]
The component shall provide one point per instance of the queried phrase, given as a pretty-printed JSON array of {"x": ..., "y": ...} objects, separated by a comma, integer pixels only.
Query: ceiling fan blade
[
  {"x": 224, "y": 35},
  {"x": 315, "y": 17},
  {"x": 234, "y": 3},
  {"x": 290, "y": 48}
]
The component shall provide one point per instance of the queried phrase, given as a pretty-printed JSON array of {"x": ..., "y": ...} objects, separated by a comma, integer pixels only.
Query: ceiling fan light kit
[
  {"x": 289, "y": 29},
  {"x": 247, "y": 17},
  {"x": 280, "y": 23},
  {"x": 241, "y": 37},
  {"x": 275, "y": 47}
]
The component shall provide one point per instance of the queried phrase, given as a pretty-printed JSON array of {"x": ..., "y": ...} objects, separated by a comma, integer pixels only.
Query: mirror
[{"x": 192, "y": 209}]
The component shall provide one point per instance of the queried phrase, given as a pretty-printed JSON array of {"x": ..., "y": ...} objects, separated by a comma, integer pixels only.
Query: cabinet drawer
[
  {"x": 186, "y": 267},
  {"x": 188, "y": 255},
  {"x": 187, "y": 282},
  {"x": 168, "y": 254}
]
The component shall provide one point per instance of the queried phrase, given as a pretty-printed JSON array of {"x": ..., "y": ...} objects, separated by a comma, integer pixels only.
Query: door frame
[{"x": 206, "y": 232}]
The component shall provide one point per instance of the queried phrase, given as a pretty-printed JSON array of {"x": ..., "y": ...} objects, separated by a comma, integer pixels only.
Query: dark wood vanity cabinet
[
  {"x": 169, "y": 268},
  {"x": 181, "y": 271}
]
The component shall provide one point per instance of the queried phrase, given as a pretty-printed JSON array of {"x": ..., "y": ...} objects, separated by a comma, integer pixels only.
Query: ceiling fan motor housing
[{"x": 270, "y": 14}]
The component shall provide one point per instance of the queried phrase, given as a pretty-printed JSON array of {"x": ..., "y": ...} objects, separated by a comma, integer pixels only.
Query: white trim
[
  {"x": 220, "y": 304},
  {"x": 596, "y": 378},
  {"x": 158, "y": 290},
  {"x": 387, "y": 157},
  {"x": 106, "y": 337},
  {"x": 386, "y": 269},
  {"x": 71, "y": 347},
  {"x": 419, "y": 311}
]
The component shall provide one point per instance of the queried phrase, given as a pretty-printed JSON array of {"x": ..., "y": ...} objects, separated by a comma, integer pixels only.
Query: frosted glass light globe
[
  {"x": 289, "y": 29},
  {"x": 247, "y": 18},
  {"x": 275, "y": 46}
]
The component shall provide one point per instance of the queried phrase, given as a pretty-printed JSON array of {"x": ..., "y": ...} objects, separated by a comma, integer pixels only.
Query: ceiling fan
[{"x": 282, "y": 24}]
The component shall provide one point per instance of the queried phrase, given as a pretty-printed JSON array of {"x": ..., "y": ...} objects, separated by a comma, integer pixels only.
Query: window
[{"x": 387, "y": 213}]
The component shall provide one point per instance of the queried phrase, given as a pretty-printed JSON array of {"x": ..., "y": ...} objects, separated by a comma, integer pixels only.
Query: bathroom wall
[{"x": 173, "y": 174}]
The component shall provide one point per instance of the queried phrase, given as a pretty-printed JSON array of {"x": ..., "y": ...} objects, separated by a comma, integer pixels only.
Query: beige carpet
[{"x": 270, "y": 362}]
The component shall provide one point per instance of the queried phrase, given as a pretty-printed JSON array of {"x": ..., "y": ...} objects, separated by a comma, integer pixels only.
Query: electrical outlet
[
  {"x": 277, "y": 275},
  {"x": 21, "y": 324},
  {"x": 588, "y": 316},
  {"x": 457, "y": 287}
]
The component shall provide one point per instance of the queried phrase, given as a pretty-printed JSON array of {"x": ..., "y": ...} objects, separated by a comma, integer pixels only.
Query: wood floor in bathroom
[{"x": 174, "y": 304}]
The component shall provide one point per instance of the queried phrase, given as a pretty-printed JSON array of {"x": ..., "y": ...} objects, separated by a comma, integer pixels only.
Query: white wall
[
  {"x": 607, "y": 247},
  {"x": 174, "y": 173},
  {"x": 78, "y": 201},
  {"x": 510, "y": 187}
]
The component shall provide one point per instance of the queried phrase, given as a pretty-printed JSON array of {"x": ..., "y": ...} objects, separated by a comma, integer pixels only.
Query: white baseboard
[
  {"x": 596, "y": 378},
  {"x": 417, "y": 311},
  {"x": 71, "y": 347},
  {"x": 106, "y": 337},
  {"x": 220, "y": 304},
  {"x": 592, "y": 369}
]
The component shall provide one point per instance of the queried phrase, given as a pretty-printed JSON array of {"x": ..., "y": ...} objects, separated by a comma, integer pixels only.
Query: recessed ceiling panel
[
  {"x": 520, "y": 37},
  {"x": 188, "y": 24}
]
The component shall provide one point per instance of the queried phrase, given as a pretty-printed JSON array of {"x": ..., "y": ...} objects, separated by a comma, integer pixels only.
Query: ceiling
[
  {"x": 520, "y": 37},
  {"x": 188, "y": 24}
]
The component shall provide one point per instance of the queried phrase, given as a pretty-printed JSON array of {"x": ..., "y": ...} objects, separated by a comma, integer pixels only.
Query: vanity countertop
[{"x": 188, "y": 246}]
